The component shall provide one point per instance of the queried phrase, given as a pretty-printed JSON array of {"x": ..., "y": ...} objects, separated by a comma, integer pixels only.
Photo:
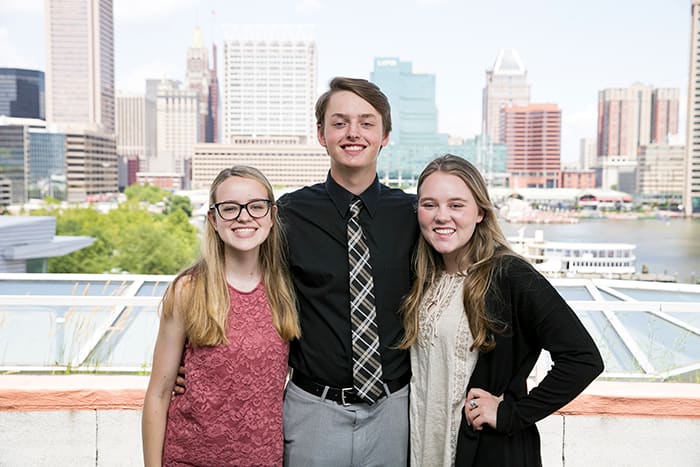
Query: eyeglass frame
[{"x": 241, "y": 207}]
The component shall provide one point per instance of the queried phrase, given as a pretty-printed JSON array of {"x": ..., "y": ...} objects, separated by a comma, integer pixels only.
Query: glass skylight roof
[{"x": 646, "y": 331}]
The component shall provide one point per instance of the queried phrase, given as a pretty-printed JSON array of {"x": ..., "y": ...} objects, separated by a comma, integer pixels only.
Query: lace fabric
[{"x": 231, "y": 412}]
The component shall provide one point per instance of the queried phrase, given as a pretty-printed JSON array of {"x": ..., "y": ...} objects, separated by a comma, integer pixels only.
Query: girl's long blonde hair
[
  {"x": 203, "y": 294},
  {"x": 477, "y": 260}
]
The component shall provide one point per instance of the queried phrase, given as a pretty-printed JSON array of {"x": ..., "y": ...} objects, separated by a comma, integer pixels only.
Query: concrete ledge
[
  {"x": 71, "y": 392},
  {"x": 657, "y": 400},
  {"x": 113, "y": 392},
  {"x": 94, "y": 420}
]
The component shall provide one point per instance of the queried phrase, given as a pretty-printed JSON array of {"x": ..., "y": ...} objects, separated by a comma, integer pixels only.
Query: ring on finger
[{"x": 473, "y": 404}]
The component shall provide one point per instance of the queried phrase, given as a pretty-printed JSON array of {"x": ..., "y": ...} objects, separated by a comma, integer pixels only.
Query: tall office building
[
  {"x": 131, "y": 126},
  {"x": 412, "y": 99},
  {"x": 636, "y": 116},
  {"x": 22, "y": 93},
  {"x": 213, "y": 104},
  {"x": 588, "y": 153},
  {"x": 135, "y": 134},
  {"x": 177, "y": 128},
  {"x": 32, "y": 160},
  {"x": 197, "y": 79},
  {"x": 506, "y": 86},
  {"x": 660, "y": 172},
  {"x": 80, "y": 63},
  {"x": 532, "y": 135},
  {"x": 91, "y": 165},
  {"x": 691, "y": 193},
  {"x": 664, "y": 114},
  {"x": 269, "y": 82}
]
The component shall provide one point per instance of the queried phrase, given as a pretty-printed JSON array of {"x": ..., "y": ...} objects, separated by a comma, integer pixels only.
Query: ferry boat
[{"x": 576, "y": 259}]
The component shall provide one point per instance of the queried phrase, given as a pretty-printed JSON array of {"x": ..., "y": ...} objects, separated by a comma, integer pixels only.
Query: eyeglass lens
[{"x": 229, "y": 210}]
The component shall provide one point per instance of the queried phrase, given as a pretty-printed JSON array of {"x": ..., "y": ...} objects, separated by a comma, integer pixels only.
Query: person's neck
[
  {"x": 355, "y": 181},
  {"x": 243, "y": 269}
]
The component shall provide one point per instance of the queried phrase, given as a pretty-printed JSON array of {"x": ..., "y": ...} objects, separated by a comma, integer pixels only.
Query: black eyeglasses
[{"x": 231, "y": 211}]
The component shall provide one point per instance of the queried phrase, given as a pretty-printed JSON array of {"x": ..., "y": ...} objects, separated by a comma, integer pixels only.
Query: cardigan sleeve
[{"x": 544, "y": 321}]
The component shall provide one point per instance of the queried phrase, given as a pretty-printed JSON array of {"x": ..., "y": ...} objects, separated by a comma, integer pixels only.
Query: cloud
[
  {"x": 140, "y": 11},
  {"x": 21, "y": 6},
  {"x": 10, "y": 56}
]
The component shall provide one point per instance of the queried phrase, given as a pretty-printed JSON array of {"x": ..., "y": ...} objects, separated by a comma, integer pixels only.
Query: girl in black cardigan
[{"x": 509, "y": 313}]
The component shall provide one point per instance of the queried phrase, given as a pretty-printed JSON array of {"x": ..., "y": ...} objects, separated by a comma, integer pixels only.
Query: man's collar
[{"x": 342, "y": 197}]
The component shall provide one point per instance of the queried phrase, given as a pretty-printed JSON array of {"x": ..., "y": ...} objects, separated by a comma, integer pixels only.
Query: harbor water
[{"x": 664, "y": 246}]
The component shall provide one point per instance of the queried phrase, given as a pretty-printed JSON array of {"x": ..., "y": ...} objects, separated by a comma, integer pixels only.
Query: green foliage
[
  {"x": 147, "y": 193},
  {"x": 175, "y": 202},
  {"x": 128, "y": 239}
]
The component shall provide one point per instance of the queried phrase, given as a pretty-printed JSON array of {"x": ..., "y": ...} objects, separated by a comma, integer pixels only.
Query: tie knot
[{"x": 355, "y": 207}]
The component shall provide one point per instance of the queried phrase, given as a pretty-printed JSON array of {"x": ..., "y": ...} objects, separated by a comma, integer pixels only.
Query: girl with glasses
[{"x": 229, "y": 319}]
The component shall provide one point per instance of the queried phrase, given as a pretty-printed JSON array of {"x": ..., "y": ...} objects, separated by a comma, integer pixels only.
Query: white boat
[{"x": 574, "y": 258}]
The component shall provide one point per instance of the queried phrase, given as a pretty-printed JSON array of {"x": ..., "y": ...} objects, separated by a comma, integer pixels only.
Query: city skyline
[{"x": 569, "y": 52}]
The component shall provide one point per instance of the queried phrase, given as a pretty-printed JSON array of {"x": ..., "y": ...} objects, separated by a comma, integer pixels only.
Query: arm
[
  {"x": 166, "y": 360},
  {"x": 546, "y": 322}
]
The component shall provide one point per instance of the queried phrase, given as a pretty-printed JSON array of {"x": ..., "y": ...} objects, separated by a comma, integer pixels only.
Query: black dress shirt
[{"x": 314, "y": 220}]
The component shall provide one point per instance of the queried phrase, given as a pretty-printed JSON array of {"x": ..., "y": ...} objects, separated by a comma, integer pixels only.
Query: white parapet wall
[{"x": 91, "y": 420}]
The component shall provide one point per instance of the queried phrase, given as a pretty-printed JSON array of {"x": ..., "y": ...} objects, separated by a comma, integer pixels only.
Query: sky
[{"x": 571, "y": 49}]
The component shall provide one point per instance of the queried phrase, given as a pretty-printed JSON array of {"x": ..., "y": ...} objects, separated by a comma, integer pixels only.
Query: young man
[{"x": 326, "y": 421}]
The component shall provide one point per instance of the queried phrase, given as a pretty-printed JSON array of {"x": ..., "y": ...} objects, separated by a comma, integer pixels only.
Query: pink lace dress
[{"x": 231, "y": 412}]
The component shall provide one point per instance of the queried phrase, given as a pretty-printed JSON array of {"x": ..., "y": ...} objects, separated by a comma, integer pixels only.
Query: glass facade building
[
  {"x": 47, "y": 165},
  {"x": 412, "y": 99},
  {"x": 22, "y": 93},
  {"x": 400, "y": 163},
  {"x": 12, "y": 161}
]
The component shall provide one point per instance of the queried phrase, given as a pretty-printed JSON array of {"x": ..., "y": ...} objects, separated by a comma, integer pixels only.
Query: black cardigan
[{"x": 537, "y": 318}]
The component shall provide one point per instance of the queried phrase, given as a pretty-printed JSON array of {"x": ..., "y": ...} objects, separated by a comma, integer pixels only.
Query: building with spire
[
  {"x": 197, "y": 79},
  {"x": 506, "y": 86}
]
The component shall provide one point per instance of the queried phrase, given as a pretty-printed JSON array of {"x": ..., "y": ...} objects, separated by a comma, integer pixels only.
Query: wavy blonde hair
[
  {"x": 203, "y": 294},
  {"x": 477, "y": 259}
]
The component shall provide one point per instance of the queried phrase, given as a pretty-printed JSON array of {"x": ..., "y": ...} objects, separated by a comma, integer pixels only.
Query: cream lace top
[{"x": 442, "y": 365}]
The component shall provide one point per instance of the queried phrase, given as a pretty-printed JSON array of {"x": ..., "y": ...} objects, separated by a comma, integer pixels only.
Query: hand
[
  {"x": 179, "y": 382},
  {"x": 481, "y": 408}
]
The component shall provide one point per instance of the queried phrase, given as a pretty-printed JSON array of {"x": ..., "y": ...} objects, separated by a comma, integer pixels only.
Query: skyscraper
[
  {"x": 197, "y": 79},
  {"x": 269, "y": 82},
  {"x": 635, "y": 116},
  {"x": 22, "y": 93},
  {"x": 691, "y": 195},
  {"x": 532, "y": 135},
  {"x": 80, "y": 63},
  {"x": 664, "y": 114},
  {"x": 213, "y": 124},
  {"x": 412, "y": 99},
  {"x": 177, "y": 127},
  {"x": 506, "y": 86}
]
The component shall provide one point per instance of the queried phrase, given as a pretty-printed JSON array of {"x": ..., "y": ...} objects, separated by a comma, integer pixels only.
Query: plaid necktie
[{"x": 367, "y": 367}]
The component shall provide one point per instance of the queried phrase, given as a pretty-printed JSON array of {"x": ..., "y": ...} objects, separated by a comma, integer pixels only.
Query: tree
[
  {"x": 175, "y": 202},
  {"x": 128, "y": 239}
]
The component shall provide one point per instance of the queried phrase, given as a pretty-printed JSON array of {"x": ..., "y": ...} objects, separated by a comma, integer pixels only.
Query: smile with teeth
[
  {"x": 244, "y": 230},
  {"x": 444, "y": 231},
  {"x": 353, "y": 147}
]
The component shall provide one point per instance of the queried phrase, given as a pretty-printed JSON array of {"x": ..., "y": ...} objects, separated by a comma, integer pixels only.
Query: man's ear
[{"x": 319, "y": 134}]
